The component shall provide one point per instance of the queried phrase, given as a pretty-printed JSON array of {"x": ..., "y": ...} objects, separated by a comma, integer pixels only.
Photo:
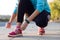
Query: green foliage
[
  {"x": 7, "y": 19},
  {"x": 55, "y": 9}
]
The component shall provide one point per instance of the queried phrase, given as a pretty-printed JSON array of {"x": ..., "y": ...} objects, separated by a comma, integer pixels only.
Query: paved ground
[{"x": 52, "y": 32}]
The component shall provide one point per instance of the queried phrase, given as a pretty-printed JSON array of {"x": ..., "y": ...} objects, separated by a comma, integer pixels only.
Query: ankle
[{"x": 19, "y": 24}]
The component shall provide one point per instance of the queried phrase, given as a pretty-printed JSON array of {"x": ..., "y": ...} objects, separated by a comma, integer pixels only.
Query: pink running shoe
[
  {"x": 41, "y": 31},
  {"x": 17, "y": 32}
]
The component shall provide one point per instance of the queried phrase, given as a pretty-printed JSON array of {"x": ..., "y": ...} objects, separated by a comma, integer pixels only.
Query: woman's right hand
[{"x": 8, "y": 25}]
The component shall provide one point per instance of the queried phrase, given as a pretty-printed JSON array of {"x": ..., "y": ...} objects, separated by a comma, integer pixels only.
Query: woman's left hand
[{"x": 24, "y": 25}]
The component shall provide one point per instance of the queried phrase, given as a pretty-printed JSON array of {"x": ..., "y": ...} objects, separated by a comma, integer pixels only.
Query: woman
[
  {"x": 38, "y": 11},
  {"x": 13, "y": 16}
]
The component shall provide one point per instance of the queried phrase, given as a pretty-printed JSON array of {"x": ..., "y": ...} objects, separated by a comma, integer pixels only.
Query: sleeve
[
  {"x": 15, "y": 10},
  {"x": 40, "y": 5}
]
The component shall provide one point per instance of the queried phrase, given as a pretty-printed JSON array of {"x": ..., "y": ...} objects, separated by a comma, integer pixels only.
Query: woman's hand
[
  {"x": 8, "y": 25},
  {"x": 24, "y": 25}
]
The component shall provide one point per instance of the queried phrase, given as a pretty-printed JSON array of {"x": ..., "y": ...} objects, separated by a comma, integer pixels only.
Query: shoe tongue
[
  {"x": 18, "y": 27},
  {"x": 16, "y": 30}
]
